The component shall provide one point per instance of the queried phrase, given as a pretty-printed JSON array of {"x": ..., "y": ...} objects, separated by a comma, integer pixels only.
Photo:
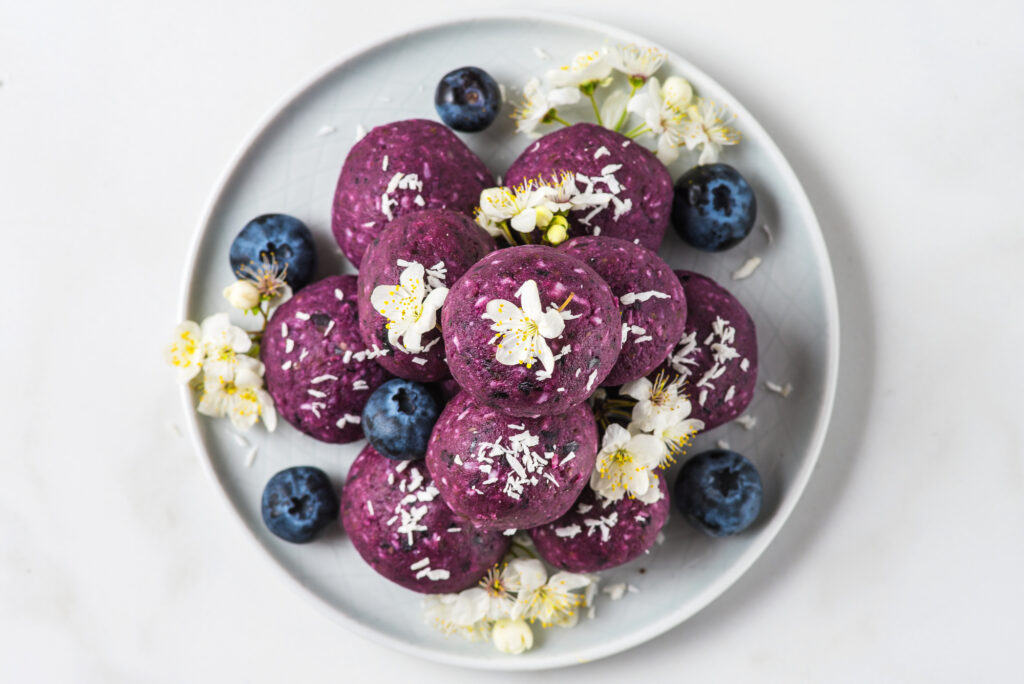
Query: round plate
[{"x": 291, "y": 163}]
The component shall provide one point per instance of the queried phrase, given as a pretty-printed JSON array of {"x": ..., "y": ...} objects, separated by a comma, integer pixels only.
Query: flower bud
[
  {"x": 677, "y": 91},
  {"x": 512, "y": 636},
  {"x": 544, "y": 216},
  {"x": 242, "y": 294}
]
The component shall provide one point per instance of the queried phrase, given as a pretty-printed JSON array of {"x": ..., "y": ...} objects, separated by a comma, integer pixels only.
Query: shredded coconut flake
[
  {"x": 360, "y": 132},
  {"x": 419, "y": 361},
  {"x": 631, "y": 297},
  {"x": 722, "y": 444},
  {"x": 615, "y": 591},
  {"x": 569, "y": 531},
  {"x": 747, "y": 421},
  {"x": 782, "y": 390},
  {"x": 541, "y": 54},
  {"x": 325, "y": 130},
  {"x": 768, "y": 231},
  {"x": 601, "y": 151},
  {"x": 747, "y": 269},
  {"x": 250, "y": 457}
]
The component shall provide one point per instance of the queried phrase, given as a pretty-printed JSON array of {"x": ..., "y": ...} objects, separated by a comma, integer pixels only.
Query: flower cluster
[
  {"x": 670, "y": 113},
  {"x": 660, "y": 429},
  {"x": 411, "y": 306},
  {"x": 506, "y": 600},
  {"x": 232, "y": 379},
  {"x": 540, "y": 205}
]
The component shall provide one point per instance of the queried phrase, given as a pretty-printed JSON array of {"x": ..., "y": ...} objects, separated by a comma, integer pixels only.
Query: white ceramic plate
[{"x": 285, "y": 166}]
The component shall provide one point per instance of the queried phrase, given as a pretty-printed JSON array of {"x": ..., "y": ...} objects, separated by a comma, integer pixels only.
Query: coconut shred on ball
[
  {"x": 319, "y": 372},
  {"x": 404, "y": 280},
  {"x": 398, "y": 523},
  {"x": 400, "y": 168},
  {"x": 717, "y": 353},
  {"x": 504, "y": 473},
  {"x": 650, "y": 296},
  {"x": 638, "y": 186},
  {"x": 597, "y": 534},
  {"x": 530, "y": 331}
]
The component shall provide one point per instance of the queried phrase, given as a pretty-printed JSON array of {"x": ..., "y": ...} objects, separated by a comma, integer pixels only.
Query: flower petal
[
  {"x": 529, "y": 298},
  {"x": 501, "y": 310},
  {"x": 638, "y": 389},
  {"x": 412, "y": 280},
  {"x": 550, "y": 324}
]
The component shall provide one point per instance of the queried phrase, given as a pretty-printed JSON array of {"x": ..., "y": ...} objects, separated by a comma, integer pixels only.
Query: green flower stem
[
  {"x": 508, "y": 235},
  {"x": 597, "y": 110},
  {"x": 516, "y": 549},
  {"x": 638, "y": 131},
  {"x": 622, "y": 118},
  {"x": 554, "y": 117}
]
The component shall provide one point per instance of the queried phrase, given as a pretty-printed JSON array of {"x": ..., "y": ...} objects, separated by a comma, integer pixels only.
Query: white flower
[
  {"x": 638, "y": 63},
  {"x": 242, "y": 294},
  {"x": 675, "y": 436},
  {"x": 677, "y": 92},
  {"x": 706, "y": 126},
  {"x": 185, "y": 352},
  {"x": 538, "y": 105},
  {"x": 500, "y": 587},
  {"x": 662, "y": 117},
  {"x": 410, "y": 307},
  {"x": 659, "y": 403},
  {"x": 626, "y": 464},
  {"x": 222, "y": 344},
  {"x": 512, "y": 636},
  {"x": 522, "y": 334},
  {"x": 525, "y": 207},
  {"x": 237, "y": 392},
  {"x": 587, "y": 68},
  {"x": 269, "y": 279},
  {"x": 462, "y": 613},
  {"x": 551, "y": 601}
]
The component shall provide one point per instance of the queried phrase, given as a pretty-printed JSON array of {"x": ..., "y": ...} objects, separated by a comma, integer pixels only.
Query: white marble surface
[{"x": 117, "y": 561}]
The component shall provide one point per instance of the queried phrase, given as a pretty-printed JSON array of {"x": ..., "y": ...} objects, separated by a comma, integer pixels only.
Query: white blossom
[
  {"x": 242, "y": 294},
  {"x": 586, "y": 68},
  {"x": 463, "y": 613},
  {"x": 185, "y": 351},
  {"x": 411, "y": 308},
  {"x": 551, "y": 601},
  {"x": 522, "y": 333},
  {"x": 237, "y": 392},
  {"x": 537, "y": 105},
  {"x": 627, "y": 465},
  {"x": 223, "y": 344},
  {"x": 706, "y": 126},
  {"x": 664, "y": 119},
  {"x": 636, "y": 62},
  {"x": 512, "y": 636}
]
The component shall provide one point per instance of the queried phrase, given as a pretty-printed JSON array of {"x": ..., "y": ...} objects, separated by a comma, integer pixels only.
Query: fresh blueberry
[
  {"x": 299, "y": 502},
  {"x": 399, "y": 417},
  {"x": 714, "y": 207},
  {"x": 467, "y": 99},
  {"x": 280, "y": 239},
  {"x": 719, "y": 491}
]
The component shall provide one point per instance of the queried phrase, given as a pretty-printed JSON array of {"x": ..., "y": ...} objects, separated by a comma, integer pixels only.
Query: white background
[{"x": 902, "y": 562}]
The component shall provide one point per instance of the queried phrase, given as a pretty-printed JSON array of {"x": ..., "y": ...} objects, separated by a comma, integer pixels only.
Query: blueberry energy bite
[
  {"x": 530, "y": 330},
  {"x": 503, "y": 473},
  {"x": 399, "y": 168},
  {"x": 717, "y": 354},
  {"x": 319, "y": 372},
  {"x": 604, "y": 161},
  {"x": 650, "y": 296},
  {"x": 597, "y": 534},
  {"x": 398, "y": 523},
  {"x": 405, "y": 273}
]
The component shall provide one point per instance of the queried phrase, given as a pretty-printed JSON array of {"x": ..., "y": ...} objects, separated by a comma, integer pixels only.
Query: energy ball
[
  {"x": 608, "y": 162},
  {"x": 398, "y": 523},
  {"x": 717, "y": 353},
  {"x": 435, "y": 245},
  {"x": 502, "y": 473},
  {"x": 318, "y": 371},
  {"x": 597, "y": 535},
  {"x": 399, "y": 168},
  {"x": 652, "y": 301},
  {"x": 530, "y": 331}
]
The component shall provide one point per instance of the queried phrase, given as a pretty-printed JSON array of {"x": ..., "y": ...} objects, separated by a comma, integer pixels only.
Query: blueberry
[
  {"x": 399, "y": 417},
  {"x": 714, "y": 207},
  {"x": 719, "y": 491},
  {"x": 280, "y": 239},
  {"x": 299, "y": 502},
  {"x": 467, "y": 99}
]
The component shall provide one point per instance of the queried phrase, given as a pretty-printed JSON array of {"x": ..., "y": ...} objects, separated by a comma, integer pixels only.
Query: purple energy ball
[
  {"x": 640, "y": 184},
  {"x": 584, "y": 351},
  {"x": 719, "y": 334},
  {"x": 400, "y": 526},
  {"x": 399, "y": 168},
  {"x": 597, "y": 535},
  {"x": 447, "y": 389},
  {"x": 445, "y": 244},
  {"x": 501, "y": 472},
  {"x": 652, "y": 301},
  {"x": 319, "y": 372}
]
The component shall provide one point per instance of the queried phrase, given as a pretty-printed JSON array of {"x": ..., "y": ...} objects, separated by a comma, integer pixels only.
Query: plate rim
[{"x": 787, "y": 503}]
